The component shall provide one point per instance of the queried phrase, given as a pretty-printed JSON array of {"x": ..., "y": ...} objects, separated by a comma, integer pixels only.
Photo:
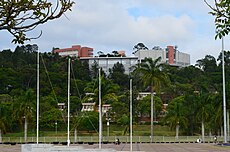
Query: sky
[{"x": 108, "y": 25}]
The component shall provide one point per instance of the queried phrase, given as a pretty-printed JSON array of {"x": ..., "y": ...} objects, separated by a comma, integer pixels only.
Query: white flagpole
[
  {"x": 68, "y": 140},
  {"x": 224, "y": 96},
  {"x": 37, "y": 95},
  {"x": 131, "y": 117},
  {"x": 100, "y": 114}
]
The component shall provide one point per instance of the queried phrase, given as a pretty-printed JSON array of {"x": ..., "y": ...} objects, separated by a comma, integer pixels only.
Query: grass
[
  {"x": 114, "y": 130},
  {"x": 140, "y": 133}
]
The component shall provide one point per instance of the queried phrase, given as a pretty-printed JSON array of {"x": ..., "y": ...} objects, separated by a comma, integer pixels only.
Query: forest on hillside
[{"x": 193, "y": 93}]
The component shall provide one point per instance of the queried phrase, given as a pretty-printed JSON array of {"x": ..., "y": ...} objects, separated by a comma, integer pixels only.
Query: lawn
[{"x": 114, "y": 130}]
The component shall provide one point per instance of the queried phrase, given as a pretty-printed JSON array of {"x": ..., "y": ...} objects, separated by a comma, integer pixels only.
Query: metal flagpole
[
  {"x": 224, "y": 96},
  {"x": 68, "y": 140},
  {"x": 131, "y": 118},
  {"x": 37, "y": 95},
  {"x": 100, "y": 114}
]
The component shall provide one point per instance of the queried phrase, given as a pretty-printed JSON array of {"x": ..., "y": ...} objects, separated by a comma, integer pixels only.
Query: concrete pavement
[{"x": 147, "y": 147}]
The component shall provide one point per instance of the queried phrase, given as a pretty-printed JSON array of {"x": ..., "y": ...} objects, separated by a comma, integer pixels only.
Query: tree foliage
[
  {"x": 88, "y": 121},
  {"x": 195, "y": 92},
  {"x": 139, "y": 46},
  {"x": 21, "y": 16},
  {"x": 151, "y": 74},
  {"x": 117, "y": 74},
  {"x": 221, "y": 11}
]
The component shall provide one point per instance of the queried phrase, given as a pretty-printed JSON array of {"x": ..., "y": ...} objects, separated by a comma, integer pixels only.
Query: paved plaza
[{"x": 155, "y": 147}]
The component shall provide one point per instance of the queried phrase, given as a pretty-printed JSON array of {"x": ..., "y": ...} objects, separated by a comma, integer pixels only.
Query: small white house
[
  {"x": 88, "y": 106},
  {"x": 61, "y": 106},
  {"x": 91, "y": 107}
]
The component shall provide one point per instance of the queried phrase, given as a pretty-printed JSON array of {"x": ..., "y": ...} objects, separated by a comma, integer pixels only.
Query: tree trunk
[
  {"x": 25, "y": 130},
  {"x": 202, "y": 126},
  {"x": 152, "y": 115},
  {"x": 177, "y": 131},
  {"x": 221, "y": 131},
  {"x": 210, "y": 133},
  {"x": 75, "y": 135},
  {"x": 0, "y": 135}
]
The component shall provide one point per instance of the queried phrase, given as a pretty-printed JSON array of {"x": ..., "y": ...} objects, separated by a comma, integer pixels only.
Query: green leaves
[
  {"x": 150, "y": 73},
  {"x": 20, "y": 17},
  {"x": 20, "y": 38},
  {"x": 221, "y": 12},
  {"x": 88, "y": 121}
]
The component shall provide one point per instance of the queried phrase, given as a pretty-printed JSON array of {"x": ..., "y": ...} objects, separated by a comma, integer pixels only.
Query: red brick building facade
[
  {"x": 171, "y": 54},
  {"x": 75, "y": 50}
]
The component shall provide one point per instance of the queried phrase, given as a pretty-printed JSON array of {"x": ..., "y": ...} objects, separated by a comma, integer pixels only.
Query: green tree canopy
[{"x": 118, "y": 76}]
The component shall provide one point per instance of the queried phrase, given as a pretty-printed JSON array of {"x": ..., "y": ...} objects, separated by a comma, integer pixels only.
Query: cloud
[
  {"x": 119, "y": 25},
  {"x": 111, "y": 26}
]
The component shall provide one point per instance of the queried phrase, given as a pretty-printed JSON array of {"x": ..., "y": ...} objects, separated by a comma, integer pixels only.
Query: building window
[{"x": 167, "y": 54}]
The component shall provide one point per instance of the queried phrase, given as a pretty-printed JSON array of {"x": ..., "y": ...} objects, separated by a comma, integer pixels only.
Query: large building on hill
[
  {"x": 107, "y": 63},
  {"x": 168, "y": 55},
  {"x": 76, "y": 51}
]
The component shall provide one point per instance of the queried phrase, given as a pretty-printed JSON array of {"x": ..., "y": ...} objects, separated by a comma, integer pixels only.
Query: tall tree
[
  {"x": 176, "y": 114},
  {"x": 204, "y": 109},
  {"x": 50, "y": 117},
  {"x": 94, "y": 70},
  {"x": 118, "y": 76},
  {"x": 207, "y": 64},
  {"x": 139, "y": 46},
  {"x": 5, "y": 117},
  {"x": 144, "y": 105},
  {"x": 152, "y": 76},
  {"x": 24, "y": 109},
  {"x": 87, "y": 121},
  {"x": 108, "y": 91}
]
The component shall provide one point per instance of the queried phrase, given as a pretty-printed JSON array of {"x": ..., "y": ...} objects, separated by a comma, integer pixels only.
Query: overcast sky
[{"x": 108, "y": 25}]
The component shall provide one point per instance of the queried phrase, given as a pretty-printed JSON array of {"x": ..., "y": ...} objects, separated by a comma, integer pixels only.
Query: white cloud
[{"x": 110, "y": 25}]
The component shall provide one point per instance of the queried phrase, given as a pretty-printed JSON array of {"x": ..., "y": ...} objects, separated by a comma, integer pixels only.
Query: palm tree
[
  {"x": 152, "y": 76},
  {"x": 108, "y": 91},
  {"x": 217, "y": 114},
  {"x": 176, "y": 114},
  {"x": 205, "y": 109},
  {"x": 24, "y": 109},
  {"x": 5, "y": 119},
  {"x": 144, "y": 105}
]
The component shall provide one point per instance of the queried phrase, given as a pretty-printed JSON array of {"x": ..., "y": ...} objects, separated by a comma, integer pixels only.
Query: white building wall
[
  {"x": 181, "y": 59},
  {"x": 69, "y": 53},
  {"x": 152, "y": 53},
  {"x": 107, "y": 63}
]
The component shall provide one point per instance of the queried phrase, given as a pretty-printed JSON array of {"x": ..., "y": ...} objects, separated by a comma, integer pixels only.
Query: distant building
[
  {"x": 75, "y": 50},
  {"x": 105, "y": 108},
  {"x": 92, "y": 107},
  {"x": 168, "y": 55},
  {"x": 121, "y": 53},
  {"x": 61, "y": 106},
  {"x": 88, "y": 106},
  {"x": 107, "y": 63},
  {"x": 142, "y": 95}
]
